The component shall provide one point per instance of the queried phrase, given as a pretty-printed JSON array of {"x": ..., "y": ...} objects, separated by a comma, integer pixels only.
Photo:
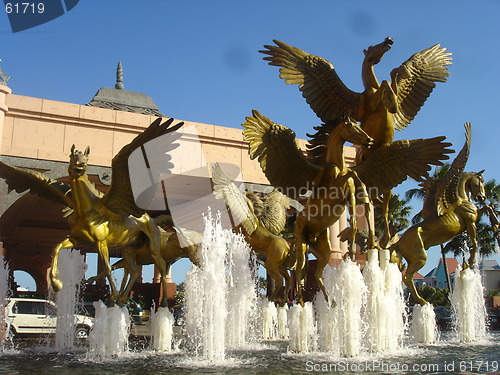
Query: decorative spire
[
  {"x": 119, "y": 77},
  {"x": 3, "y": 77}
]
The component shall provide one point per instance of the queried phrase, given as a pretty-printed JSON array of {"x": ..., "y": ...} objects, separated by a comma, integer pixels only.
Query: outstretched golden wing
[
  {"x": 392, "y": 164},
  {"x": 446, "y": 190},
  {"x": 279, "y": 155},
  {"x": 275, "y": 206},
  {"x": 120, "y": 198},
  {"x": 22, "y": 179},
  {"x": 235, "y": 199},
  {"x": 322, "y": 88},
  {"x": 415, "y": 80}
]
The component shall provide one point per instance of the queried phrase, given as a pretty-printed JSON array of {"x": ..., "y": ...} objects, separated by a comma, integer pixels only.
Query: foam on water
[{"x": 72, "y": 269}]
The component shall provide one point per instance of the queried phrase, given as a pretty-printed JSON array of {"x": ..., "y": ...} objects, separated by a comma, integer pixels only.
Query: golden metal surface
[
  {"x": 447, "y": 213},
  {"x": 262, "y": 221},
  {"x": 381, "y": 107},
  {"x": 104, "y": 221}
]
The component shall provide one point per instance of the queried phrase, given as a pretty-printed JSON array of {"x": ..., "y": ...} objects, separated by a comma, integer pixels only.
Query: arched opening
[{"x": 24, "y": 281}]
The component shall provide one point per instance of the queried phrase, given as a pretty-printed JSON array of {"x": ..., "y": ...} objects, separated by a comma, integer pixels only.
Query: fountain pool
[{"x": 270, "y": 357}]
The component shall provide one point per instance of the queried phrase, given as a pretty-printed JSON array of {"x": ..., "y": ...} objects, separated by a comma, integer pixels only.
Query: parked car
[{"x": 29, "y": 316}]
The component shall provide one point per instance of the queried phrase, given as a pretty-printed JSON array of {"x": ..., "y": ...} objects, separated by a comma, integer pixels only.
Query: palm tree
[
  {"x": 398, "y": 212},
  {"x": 488, "y": 232}
]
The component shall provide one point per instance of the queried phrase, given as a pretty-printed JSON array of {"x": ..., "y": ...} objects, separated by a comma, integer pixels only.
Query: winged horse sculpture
[
  {"x": 447, "y": 212},
  {"x": 262, "y": 222},
  {"x": 103, "y": 221},
  {"x": 381, "y": 107},
  {"x": 333, "y": 185}
]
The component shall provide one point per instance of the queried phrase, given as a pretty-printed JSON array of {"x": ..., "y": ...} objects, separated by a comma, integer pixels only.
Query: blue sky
[{"x": 198, "y": 60}]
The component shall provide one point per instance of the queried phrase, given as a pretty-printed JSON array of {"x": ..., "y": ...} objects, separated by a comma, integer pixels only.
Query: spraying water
[
  {"x": 468, "y": 305},
  {"x": 424, "y": 327},
  {"x": 162, "y": 322},
  {"x": 71, "y": 271},
  {"x": 242, "y": 296},
  {"x": 4, "y": 294},
  {"x": 206, "y": 295},
  {"x": 283, "y": 331},
  {"x": 340, "y": 327},
  {"x": 212, "y": 319},
  {"x": 109, "y": 336},
  {"x": 385, "y": 311},
  {"x": 302, "y": 328},
  {"x": 268, "y": 319}
]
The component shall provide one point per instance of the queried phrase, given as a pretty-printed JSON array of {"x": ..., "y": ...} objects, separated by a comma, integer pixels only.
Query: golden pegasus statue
[
  {"x": 262, "y": 222},
  {"x": 381, "y": 107},
  {"x": 103, "y": 221},
  {"x": 447, "y": 212},
  {"x": 171, "y": 249},
  {"x": 332, "y": 184}
]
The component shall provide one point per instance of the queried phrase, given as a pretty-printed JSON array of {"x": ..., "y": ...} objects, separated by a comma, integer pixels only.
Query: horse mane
[{"x": 316, "y": 147}]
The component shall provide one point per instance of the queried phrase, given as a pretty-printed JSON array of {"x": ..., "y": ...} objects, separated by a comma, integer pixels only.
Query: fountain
[
  {"x": 71, "y": 271},
  {"x": 302, "y": 328},
  {"x": 283, "y": 329},
  {"x": 424, "y": 328},
  {"x": 268, "y": 314},
  {"x": 162, "y": 322},
  {"x": 219, "y": 295},
  {"x": 365, "y": 314},
  {"x": 109, "y": 336},
  {"x": 340, "y": 327},
  {"x": 468, "y": 305},
  {"x": 242, "y": 296},
  {"x": 384, "y": 313}
]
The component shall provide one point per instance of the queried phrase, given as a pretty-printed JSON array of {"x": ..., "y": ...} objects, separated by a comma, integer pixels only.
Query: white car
[{"x": 29, "y": 316}]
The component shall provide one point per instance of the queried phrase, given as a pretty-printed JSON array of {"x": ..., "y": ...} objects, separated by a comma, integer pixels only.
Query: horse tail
[{"x": 396, "y": 256}]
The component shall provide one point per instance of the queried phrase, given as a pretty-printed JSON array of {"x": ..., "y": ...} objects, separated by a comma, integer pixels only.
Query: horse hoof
[
  {"x": 121, "y": 301},
  {"x": 57, "y": 285}
]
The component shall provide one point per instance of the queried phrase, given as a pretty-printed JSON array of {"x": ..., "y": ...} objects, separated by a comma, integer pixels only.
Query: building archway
[{"x": 25, "y": 281}]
